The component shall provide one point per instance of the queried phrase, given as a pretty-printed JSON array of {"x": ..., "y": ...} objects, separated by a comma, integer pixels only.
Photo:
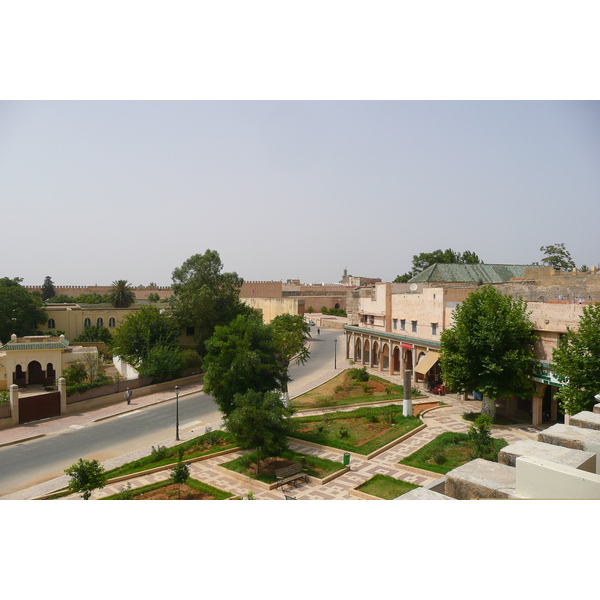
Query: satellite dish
[{"x": 413, "y": 287}]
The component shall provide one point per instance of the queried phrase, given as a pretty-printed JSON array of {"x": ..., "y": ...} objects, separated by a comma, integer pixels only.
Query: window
[
  {"x": 395, "y": 323},
  {"x": 87, "y": 323},
  {"x": 112, "y": 322},
  {"x": 100, "y": 322},
  {"x": 414, "y": 326},
  {"x": 434, "y": 329},
  {"x": 403, "y": 324},
  {"x": 51, "y": 324}
]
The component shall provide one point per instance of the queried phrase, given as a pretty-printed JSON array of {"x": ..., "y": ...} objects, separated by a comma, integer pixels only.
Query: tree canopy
[
  {"x": 142, "y": 331},
  {"x": 489, "y": 347},
  {"x": 48, "y": 289},
  {"x": 290, "y": 334},
  {"x": 121, "y": 294},
  {"x": 20, "y": 311},
  {"x": 556, "y": 255},
  {"x": 204, "y": 297},
  {"x": 577, "y": 363},
  {"x": 426, "y": 259},
  {"x": 260, "y": 420},
  {"x": 239, "y": 357},
  {"x": 86, "y": 476}
]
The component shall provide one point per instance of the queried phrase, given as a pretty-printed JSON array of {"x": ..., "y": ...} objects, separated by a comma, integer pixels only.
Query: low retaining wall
[{"x": 94, "y": 403}]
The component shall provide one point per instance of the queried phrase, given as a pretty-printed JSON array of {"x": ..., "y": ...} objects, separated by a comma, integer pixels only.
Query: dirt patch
[
  {"x": 417, "y": 408},
  {"x": 270, "y": 465},
  {"x": 170, "y": 492}
]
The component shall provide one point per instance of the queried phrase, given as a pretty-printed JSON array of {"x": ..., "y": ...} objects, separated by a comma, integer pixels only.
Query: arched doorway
[
  {"x": 357, "y": 350},
  {"x": 375, "y": 354},
  {"x": 35, "y": 373},
  {"x": 408, "y": 362},
  {"x": 367, "y": 351},
  {"x": 19, "y": 377},
  {"x": 50, "y": 374},
  {"x": 396, "y": 360},
  {"x": 385, "y": 357}
]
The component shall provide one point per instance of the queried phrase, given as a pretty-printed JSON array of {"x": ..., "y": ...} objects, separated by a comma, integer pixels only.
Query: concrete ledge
[
  {"x": 417, "y": 471},
  {"x": 578, "y": 459},
  {"x": 596, "y": 408},
  {"x": 362, "y": 495},
  {"x": 423, "y": 494},
  {"x": 586, "y": 419},
  {"x": 544, "y": 480},
  {"x": 481, "y": 479},
  {"x": 578, "y": 438}
]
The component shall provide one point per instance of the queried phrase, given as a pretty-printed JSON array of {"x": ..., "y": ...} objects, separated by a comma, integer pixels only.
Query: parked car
[{"x": 310, "y": 323}]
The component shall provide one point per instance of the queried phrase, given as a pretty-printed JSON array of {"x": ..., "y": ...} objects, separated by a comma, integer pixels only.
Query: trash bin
[{"x": 346, "y": 459}]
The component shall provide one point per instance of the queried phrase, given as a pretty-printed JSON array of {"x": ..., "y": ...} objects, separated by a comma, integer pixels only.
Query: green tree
[
  {"x": 241, "y": 356},
  {"x": 180, "y": 473},
  {"x": 75, "y": 373},
  {"x": 259, "y": 420},
  {"x": 162, "y": 363},
  {"x": 153, "y": 298},
  {"x": 20, "y": 311},
  {"x": 143, "y": 330},
  {"x": 577, "y": 363},
  {"x": 205, "y": 297},
  {"x": 291, "y": 333},
  {"x": 86, "y": 476},
  {"x": 95, "y": 333},
  {"x": 489, "y": 348},
  {"x": 556, "y": 255},
  {"x": 48, "y": 289},
  {"x": 121, "y": 294},
  {"x": 480, "y": 435},
  {"x": 426, "y": 259}
]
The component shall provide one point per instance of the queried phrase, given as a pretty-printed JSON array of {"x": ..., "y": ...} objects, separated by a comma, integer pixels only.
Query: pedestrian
[
  {"x": 318, "y": 331},
  {"x": 128, "y": 396}
]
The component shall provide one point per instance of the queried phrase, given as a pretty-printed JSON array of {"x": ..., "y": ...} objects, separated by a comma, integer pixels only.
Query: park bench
[{"x": 290, "y": 474}]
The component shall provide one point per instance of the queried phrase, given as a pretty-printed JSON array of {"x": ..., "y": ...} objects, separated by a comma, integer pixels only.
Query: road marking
[
  {"x": 76, "y": 426},
  {"x": 128, "y": 413}
]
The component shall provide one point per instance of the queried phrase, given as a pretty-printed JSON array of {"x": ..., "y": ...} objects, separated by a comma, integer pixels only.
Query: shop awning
[
  {"x": 427, "y": 362},
  {"x": 407, "y": 346}
]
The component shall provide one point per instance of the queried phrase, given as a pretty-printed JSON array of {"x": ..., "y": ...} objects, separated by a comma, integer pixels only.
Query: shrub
[
  {"x": 480, "y": 435},
  {"x": 359, "y": 374},
  {"x": 338, "y": 389},
  {"x": 4, "y": 397},
  {"x": 343, "y": 432},
  {"x": 159, "y": 453},
  {"x": 125, "y": 493},
  {"x": 373, "y": 418}
]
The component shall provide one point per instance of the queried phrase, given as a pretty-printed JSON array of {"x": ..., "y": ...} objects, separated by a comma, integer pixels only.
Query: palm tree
[{"x": 121, "y": 294}]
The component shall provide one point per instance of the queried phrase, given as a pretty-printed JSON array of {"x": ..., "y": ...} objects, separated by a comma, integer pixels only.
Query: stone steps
[{"x": 586, "y": 419}]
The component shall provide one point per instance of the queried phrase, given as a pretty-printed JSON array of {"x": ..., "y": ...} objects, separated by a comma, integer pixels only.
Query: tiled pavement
[{"x": 447, "y": 418}]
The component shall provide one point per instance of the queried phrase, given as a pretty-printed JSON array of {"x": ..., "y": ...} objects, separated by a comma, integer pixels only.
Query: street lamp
[
  {"x": 335, "y": 353},
  {"x": 177, "y": 412}
]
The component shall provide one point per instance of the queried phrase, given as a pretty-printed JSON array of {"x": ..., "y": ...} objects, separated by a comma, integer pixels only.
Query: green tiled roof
[
  {"x": 461, "y": 273},
  {"x": 33, "y": 346}
]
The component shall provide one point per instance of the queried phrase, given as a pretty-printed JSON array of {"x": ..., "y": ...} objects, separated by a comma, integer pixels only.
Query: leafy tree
[
  {"x": 261, "y": 421},
  {"x": 143, "y": 330},
  {"x": 86, "y": 476},
  {"x": 480, "y": 435},
  {"x": 180, "y": 473},
  {"x": 48, "y": 289},
  {"x": 95, "y": 333},
  {"x": 239, "y": 357},
  {"x": 153, "y": 298},
  {"x": 291, "y": 333},
  {"x": 122, "y": 294},
  {"x": 204, "y": 297},
  {"x": 20, "y": 311},
  {"x": 489, "y": 347},
  {"x": 577, "y": 363},
  {"x": 162, "y": 363},
  {"x": 426, "y": 259},
  {"x": 310, "y": 310},
  {"x": 556, "y": 255},
  {"x": 75, "y": 373}
]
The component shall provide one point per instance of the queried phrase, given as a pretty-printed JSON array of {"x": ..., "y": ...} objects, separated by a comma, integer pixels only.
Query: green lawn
[
  {"x": 192, "y": 483},
  {"x": 386, "y": 487},
  {"x": 448, "y": 451},
  {"x": 362, "y": 430},
  {"x": 313, "y": 465},
  {"x": 209, "y": 443},
  {"x": 343, "y": 390}
]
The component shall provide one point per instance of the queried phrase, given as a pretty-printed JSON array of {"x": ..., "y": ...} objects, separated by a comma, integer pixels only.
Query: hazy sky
[{"x": 97, "y": 191}]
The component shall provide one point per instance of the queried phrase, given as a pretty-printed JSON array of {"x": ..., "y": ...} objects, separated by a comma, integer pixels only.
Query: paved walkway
[{"x": 447, "y": 418}]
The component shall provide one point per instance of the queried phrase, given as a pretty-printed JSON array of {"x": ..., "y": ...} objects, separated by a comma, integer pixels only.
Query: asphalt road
[{"x": 36, "y": 461}]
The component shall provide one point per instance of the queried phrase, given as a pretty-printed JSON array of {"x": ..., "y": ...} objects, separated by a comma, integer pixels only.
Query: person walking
[
  {"x": 128, "y": 396},
  {"x": 318, "y": 331}
]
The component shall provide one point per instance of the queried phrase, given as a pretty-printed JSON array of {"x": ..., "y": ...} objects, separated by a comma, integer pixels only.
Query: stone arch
[
  {"x": 375, "y": 353},
  {"x": 385, "y": 356},
  {"x": 357, "y": 349},
  {"x": 35, "y": 373},
  {"x": 396, "y": 360},
  {"x": 366, "y": 352}
]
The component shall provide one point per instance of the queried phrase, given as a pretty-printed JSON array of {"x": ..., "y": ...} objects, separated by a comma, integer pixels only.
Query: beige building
[
  {"x": 397, "y": 327},
  {"x": 37, "y": 360}
]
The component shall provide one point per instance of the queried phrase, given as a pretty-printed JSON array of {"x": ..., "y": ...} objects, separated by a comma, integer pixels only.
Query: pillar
[
  {"x": 62, "y": 388},
  {"x": 407, "y": 410},
  {"x": 536, "y": 408},
  {"x": 13, "y": 392}
]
